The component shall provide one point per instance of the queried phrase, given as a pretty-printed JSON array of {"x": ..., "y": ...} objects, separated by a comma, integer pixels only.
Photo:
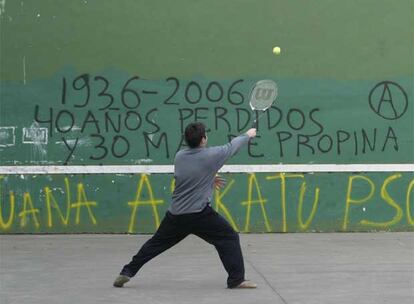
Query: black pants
[{"x": 208, "y": 225}]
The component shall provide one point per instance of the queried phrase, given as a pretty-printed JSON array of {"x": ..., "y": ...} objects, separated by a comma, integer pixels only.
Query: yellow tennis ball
[{"x": 276, "y": 50}]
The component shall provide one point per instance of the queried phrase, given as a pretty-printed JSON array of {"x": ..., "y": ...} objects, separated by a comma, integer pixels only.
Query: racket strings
[{"x": 263, "y": 95}]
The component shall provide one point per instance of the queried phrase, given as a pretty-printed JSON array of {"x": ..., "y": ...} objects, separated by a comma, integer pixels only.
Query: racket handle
[{"x": 254, "y": 124}]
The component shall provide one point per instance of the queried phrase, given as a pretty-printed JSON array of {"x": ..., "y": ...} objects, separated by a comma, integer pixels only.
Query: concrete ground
[{"x": 289, "y": 268}]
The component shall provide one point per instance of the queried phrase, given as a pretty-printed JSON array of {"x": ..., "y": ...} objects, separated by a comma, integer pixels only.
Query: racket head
[{"x": 263, "y": 94}]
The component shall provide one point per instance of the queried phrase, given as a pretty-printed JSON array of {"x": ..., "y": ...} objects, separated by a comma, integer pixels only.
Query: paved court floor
[{"x": 367, "y": 268}]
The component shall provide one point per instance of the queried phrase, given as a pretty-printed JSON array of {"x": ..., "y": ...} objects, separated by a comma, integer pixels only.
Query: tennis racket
[{"x": 262, "y": 95}]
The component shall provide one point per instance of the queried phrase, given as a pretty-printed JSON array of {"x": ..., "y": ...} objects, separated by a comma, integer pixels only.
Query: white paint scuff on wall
[
  {"x": 81, "y": 142},
  {"x": 2, "y": 7},
  {"x": 68, "y": 127},
  {"x": 7, "y": 136},
  {"x": 38, "y": 137},
  {"x": 143, "y": 161},
  {"x": 24, "y": 69},
  {"x": 35, "y": 135}
]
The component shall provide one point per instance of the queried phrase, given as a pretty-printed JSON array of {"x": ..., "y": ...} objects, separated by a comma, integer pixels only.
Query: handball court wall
[{"x": 94, "y": 98}]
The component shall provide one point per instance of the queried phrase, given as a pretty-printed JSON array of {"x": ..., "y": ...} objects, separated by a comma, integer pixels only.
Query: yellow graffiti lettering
[
  {"x": 27, "y": 202},
  {"x": 385, "y": 195},
  {"x": 138, "y": 202},
  {"x": 82, "y": 201},
  {"x": 6, "y": 224},
  {"x": 305, "y": 225},
  {"x": 259, "y": 200},
  {"x": 172, "y": 185},
  {"x": 283, "y": 177},
  {"x": 51, "y": 202},
  {"x": 410, "y": 219},
  {"x": 220, "y": 206},
  {"x": 350, "y": 200}
]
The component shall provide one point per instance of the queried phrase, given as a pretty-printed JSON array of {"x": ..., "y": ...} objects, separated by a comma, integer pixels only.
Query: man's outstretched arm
[{"x": 223, "y": 153}]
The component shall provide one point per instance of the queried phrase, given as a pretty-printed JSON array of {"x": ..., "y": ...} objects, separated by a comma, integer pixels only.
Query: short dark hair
[{"x": 194, "y": 133}]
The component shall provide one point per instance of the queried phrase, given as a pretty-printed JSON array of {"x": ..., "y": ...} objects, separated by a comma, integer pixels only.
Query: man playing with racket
[{"x": 190, "y": 212}]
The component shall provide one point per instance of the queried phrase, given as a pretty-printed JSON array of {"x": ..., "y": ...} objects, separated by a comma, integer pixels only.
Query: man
[{"x": 190, "y": 212}]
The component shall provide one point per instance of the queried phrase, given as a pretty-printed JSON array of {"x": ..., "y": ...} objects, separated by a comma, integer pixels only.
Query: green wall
[
  {"x": 99, "y": 82},
  {"x": 265, "y": 202},
  {"x": 370, "y": 39}
]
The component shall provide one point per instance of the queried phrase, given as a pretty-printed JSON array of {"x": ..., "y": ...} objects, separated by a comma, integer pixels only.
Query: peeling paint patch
[
  {"x": 35, "y": 135},
  {"x": 143, "y": 161},
  {"x": 7, "y": 136},
  {"x": 24, "y": 69},
  {"x": 2, "y": 7},
  {"x": 85, "y": 142}
]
